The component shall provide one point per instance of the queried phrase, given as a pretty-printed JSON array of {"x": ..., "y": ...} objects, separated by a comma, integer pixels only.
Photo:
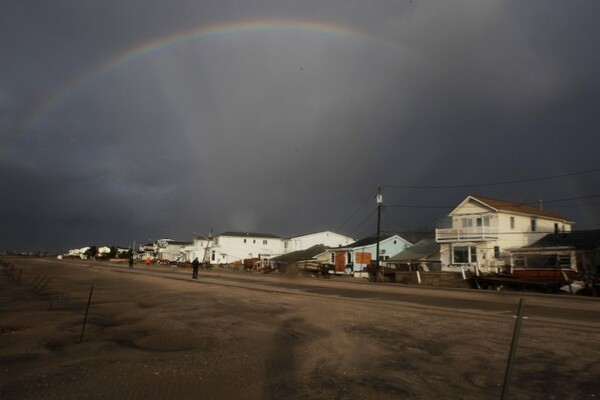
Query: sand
[{"x": 150, "y": 337}]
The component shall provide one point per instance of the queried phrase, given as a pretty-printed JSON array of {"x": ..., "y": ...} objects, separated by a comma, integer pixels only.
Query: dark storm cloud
[{"x": 287, "y": 131}]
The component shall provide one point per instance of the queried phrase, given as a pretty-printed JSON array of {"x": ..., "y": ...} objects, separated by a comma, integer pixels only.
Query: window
[
  {"x": 253, "y": 240},
  {"x": 512, "y": 222},
  {"x": 473, "y": 254},
  {"x": 496, "y": 251},
  {"x": 264, "y": 242},
  {"x": 533, "y": 224},
  {"x": 464, "y": 254},
  {"x": 212, "y": 255},
  {"x": 216, "y": 241},
  {"x": 483, "y": 221},
  {"x": 520, "y": 262},
  {"x": 461, "y": 255},
  {"x": 467, "y": 223},
  {"x": 564, "y": 261},
  {"x": 555, "y": 227}
]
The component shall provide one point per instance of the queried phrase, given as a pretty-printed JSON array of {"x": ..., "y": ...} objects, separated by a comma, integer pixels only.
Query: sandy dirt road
[{"x": 151, "y": 336}]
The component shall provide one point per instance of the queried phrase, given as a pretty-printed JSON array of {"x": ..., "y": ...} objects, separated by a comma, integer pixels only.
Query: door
[{"x": 340, "y": 262}]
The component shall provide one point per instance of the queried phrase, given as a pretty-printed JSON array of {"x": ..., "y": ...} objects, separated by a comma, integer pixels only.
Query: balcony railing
[{"x": 480, "y": 233}]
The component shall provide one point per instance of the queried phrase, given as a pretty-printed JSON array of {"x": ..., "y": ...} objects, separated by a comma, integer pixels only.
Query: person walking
[
  {"x": 195, "y": 266},
  {"x": 131, "y": 261}
]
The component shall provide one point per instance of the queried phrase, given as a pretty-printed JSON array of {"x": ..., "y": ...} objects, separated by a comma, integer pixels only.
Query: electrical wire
[
  {"x": 354, "y": 213},
  {"x": 590, "y": 171},
  {"x": 536, "y": 203},
  {"x": 363, "y": 221}
]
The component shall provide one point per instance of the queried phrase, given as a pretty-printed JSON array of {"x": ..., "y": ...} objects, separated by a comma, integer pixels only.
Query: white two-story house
[
  {"x": 484, "y": 230},
  {"x": 229, "y": 247}
]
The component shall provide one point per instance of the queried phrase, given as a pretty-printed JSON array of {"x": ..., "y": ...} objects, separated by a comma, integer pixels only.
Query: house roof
[
  {"x": 370, "y": 240},
  {"x": 516, "y": 208},
  {"x": 249, "y": 234},
  {"x": 300, "y": 255},
  {"x": 179, "y": 243},
  {"x": 424, "y": 249},
  {"x": 575, "y": 239},
  {"x": 316, "y": 233}
]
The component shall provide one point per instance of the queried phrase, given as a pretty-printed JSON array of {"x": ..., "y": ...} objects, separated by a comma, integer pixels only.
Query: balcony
[{"x": 473, "y": 234}]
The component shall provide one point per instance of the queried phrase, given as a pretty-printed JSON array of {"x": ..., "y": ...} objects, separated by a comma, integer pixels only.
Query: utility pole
[{"x": 379, "y": 269}]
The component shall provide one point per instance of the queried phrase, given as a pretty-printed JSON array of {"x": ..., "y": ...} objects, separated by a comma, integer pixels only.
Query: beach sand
[{"x": 150, "y": 337}]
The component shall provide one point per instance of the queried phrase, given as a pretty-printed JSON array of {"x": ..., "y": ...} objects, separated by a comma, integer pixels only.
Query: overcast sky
[{"x": 284, "y": 117}]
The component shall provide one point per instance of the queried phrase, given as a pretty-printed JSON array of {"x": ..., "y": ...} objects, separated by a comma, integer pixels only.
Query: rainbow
[{"x": 85, "y": 77}]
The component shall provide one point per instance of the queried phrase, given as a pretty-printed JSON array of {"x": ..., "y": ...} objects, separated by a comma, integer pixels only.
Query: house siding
[{"x": 229, "y": 249}]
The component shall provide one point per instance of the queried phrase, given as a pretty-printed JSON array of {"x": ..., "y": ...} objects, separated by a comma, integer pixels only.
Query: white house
[
  {"x": 147, "y": 251},
  {"x": 171, "y": 250},
  {"x": 356, "y": 256},
  {"x": 229, "y": 247},
  {"x": 104, "y": 250},
  {"x": 326, "y": 238},
  {"x": 198, "y": 248},
  {"x": 78, "y": 252},
  {"x": 484, "y": 230}
]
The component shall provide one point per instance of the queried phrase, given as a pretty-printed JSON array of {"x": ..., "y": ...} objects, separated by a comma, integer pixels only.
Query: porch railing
[{"x": 480, "y": 233}]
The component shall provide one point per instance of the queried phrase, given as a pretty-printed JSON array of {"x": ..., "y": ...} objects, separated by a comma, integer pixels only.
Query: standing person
[
  {"x": 195, "y": 266},
  {"x": 131, "y": 261}
]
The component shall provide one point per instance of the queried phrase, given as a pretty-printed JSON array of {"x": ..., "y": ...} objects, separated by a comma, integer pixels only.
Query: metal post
[
  {"x": 513, "y": 350},
  {"x": 86, "y": 314}
]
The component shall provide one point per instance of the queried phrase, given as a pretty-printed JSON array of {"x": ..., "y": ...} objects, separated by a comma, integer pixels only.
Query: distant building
[
  {"x": 199, "y": 248},
  {"x": 229, "y": 247},
  {"x": 325, "y": 238},
  {"x": 171, "y": 250}
]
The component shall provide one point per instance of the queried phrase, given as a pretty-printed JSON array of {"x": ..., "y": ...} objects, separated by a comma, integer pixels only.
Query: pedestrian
[
  {"x": 131, "y": 261},
  {"x": 195, "y": 266}
]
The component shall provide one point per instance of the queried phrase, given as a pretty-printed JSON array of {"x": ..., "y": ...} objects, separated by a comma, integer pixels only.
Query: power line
[
  {"x": 576, "y": 205},
  {"x": 570, "y": 198},
  {"x": 531, "y": 204},
  {"x": 416, "y": 206},
  {"x": 363, "y": 221},
  {"x": 590, "y": 171},
  {"x": 355, "y": 211}
]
